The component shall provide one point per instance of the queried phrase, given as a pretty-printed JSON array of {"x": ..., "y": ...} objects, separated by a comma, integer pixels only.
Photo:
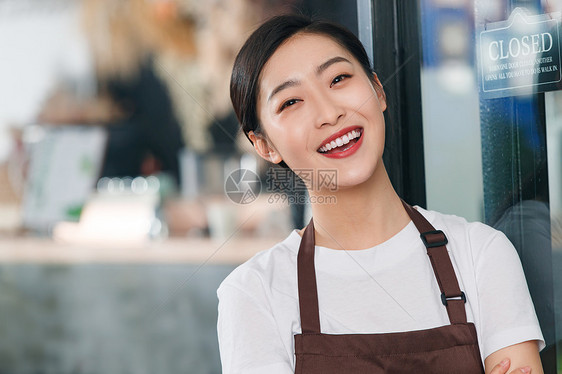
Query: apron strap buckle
[
  {"x": 435, "y": 238},
  {"x": 444, "y": 298}
]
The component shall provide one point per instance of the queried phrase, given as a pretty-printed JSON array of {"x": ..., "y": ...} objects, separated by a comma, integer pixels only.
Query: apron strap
[
  {"x": 435, "y": 240},
  {"x": 451, "y": 295},
  {"x": 306, "y": 273}
]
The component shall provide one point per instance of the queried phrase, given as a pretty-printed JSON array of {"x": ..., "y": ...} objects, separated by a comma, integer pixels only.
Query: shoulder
[
  {"x": 457, "y": 224},
  {"x": 475, "y": 237},
  {"x": 264, "y": 267}
]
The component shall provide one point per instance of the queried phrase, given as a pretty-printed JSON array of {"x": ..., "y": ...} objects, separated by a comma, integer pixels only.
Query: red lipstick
[{"x": 343, "y": 150}]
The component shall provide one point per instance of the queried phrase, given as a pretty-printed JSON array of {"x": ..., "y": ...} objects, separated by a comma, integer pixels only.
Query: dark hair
[{"x": 262, "y": 44}]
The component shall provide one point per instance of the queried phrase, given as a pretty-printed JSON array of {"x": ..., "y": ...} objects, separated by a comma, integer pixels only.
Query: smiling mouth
[{"x": 342, "y": 143}]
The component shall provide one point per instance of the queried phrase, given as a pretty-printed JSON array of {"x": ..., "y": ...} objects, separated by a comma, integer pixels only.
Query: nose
[{"x": 328, "y": 109}]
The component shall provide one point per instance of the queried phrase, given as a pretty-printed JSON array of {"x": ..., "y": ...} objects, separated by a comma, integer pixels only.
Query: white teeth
[{"x": 341, "y": 140}]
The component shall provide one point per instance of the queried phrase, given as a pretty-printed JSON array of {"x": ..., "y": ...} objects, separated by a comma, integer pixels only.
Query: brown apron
[{"x": 448, "y": 349}]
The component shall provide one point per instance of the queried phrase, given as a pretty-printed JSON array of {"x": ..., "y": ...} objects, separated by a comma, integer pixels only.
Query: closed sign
[{"x": 521, "y": 55}]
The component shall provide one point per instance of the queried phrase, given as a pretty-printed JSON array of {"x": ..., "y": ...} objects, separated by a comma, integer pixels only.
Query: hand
[{"x": 503, "y": 366}]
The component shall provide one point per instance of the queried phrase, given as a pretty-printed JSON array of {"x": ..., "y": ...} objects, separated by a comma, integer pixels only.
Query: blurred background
[{"x": 116, "y": 138}]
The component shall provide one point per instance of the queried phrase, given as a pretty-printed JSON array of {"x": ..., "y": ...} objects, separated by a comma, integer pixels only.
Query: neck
[{"x": 359, "y": 217}]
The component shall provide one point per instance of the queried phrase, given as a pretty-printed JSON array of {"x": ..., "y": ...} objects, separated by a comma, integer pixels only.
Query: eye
[
  {"x": 288, "y": 103},
  {"x": 339, "y": 78}
]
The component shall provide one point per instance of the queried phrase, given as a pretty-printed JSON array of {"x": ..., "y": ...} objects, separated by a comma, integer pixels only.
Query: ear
[
  {"x": 264, "y": 149},
  {"x": 380, "y": 91}
]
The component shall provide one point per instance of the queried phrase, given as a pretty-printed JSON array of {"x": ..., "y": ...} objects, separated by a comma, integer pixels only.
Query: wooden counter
[{"x": 232, "y": 251}]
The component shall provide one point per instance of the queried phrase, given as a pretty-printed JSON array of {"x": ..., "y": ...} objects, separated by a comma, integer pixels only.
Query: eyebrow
[
  {"x": 282, "y": 86},
  {"x": 319, "y": 70}
]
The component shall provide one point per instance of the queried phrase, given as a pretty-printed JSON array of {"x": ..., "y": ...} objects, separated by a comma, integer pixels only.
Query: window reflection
[{"x": 505, "y": 164}]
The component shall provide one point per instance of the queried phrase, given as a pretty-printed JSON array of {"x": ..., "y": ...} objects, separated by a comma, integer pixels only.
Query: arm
[
  {"x": 520, "y": 356},
  {"x": 508, "y": 326}
]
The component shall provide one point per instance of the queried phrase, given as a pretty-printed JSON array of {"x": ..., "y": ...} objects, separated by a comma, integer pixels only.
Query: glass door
[
  {"x": 485, "y": 69},
  {"x": 480, "y": 82}
]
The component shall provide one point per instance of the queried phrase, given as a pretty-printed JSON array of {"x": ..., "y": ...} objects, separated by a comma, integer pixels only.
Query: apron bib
[{"x": 447, "y": 349}]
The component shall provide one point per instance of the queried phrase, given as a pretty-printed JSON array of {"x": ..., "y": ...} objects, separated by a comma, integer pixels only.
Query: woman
[{"x": 356, "y": 292}]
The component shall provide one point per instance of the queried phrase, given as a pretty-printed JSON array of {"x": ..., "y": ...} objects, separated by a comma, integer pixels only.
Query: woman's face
[{"x": 320, "y": 111}]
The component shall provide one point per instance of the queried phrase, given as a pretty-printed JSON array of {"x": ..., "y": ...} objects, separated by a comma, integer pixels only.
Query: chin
[{"x": 352, "y": 178}]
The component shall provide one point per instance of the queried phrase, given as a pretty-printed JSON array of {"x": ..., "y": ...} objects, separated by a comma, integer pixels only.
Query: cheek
[
  {"x": 360, "y": 98},
  {"x": 371, "y": 106},
  {"x": 293, "y": 148},
  {"x": 284, "y": 142},
  {"x": 288, "y": 133}
]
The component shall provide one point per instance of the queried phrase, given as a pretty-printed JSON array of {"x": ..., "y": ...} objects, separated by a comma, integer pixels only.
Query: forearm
[{"x": 520, "y": 355}]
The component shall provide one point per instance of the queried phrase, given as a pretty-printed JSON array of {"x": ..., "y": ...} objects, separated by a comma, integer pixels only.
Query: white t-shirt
[{"x": 387, "y": 288}]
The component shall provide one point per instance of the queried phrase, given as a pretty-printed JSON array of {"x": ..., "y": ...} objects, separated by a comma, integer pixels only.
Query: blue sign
[{"x": 520, "y": 56}]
